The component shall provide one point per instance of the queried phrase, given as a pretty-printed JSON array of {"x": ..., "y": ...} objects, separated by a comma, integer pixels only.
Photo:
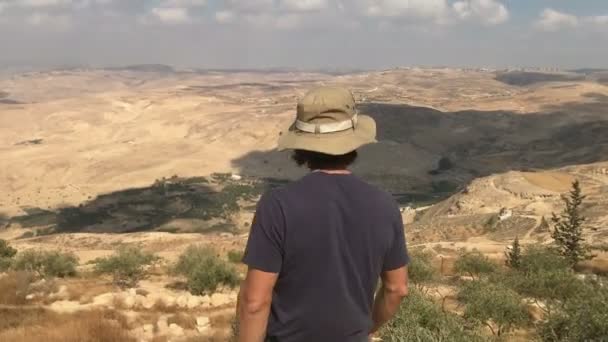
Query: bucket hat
[{"x": 327, "y": 121}]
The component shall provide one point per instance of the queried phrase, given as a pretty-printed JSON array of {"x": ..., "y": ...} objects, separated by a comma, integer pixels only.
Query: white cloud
[
  {"x": 171, "y": 15},
  {"x": 44, "y": 3},
  {"x": 551, "y": 20},
  {"x": 55, "y": 22},
  {"x": 490, "y": 12},
  {"x": 304, "y": 5},
  {"x": 249, "y": 5},
  {"x": 598, "y": 20},
  {"x": 183, "y": 3},
  {"x": 412, "y": 8}
]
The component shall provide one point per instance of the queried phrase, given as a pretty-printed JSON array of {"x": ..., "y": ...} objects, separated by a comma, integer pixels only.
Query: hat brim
[{"x": 337, "y": 143}]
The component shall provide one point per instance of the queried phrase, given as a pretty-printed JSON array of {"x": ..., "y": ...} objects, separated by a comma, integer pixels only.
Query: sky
[{"x": 307, "y": 34}]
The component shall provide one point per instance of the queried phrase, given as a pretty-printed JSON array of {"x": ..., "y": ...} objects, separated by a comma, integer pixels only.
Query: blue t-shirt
[{"x": 328, "y": 237}]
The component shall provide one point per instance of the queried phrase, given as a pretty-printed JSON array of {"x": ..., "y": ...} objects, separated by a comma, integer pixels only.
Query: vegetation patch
[
  {"x": 205, "y": 271},
  {"x": 46, "y": 264},
  {"x": 127, "y": 266}
]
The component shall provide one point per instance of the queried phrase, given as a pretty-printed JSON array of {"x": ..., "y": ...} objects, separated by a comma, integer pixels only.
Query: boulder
[
  {"x": 128, "y": 301},
  {"x": 182, "y": 301},
  {"x": 106, "y": 299},
  {"x": 219, "y": 299},
  {"x": 175, "y": 330},
  {"x": 193, "y": 302},
  {"x": 162, "y": 326},
  {"x": 202, "y": 321}
]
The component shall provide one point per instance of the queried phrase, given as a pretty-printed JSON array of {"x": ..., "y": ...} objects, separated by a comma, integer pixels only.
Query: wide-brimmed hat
[{"x": 327, "y": 121}]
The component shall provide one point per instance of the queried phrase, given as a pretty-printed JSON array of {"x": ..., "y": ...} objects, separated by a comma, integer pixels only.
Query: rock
[
  {"x": 132, "y": 292},
  {"x": 193, "y": 302},
  {"x": 206, "y": 299},
  {"x": 168, "y": 300},
  {"x": 148, "y": 328},
  {"x": 175, "y": 330},
  {"x": 219, "y": 299},
  {"x": 148, "y": 302},
  {"x": 65, "y": 306},
  {"x": 30, "y": 296},
  {"x": 128, "y": 302},
  {"x": 106, "y": 299},
  {"x": 162, "y": 326},
  {"x": 202, "y": 321},
  {"x": 139, "y": 300},
  {"x": 182, "y": 301},
  {"x": 61, "y": 294},
  {"x": 202, "y": 329}
]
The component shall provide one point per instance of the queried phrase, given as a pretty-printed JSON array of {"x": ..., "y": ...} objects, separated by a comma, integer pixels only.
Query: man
[{"x": 318, "y": 246}]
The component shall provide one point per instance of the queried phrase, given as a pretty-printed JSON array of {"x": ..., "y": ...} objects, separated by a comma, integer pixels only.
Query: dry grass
[
  {"x": 14, "y": 287},
  {"x": 85, "y": 289},
  {"x": 25, "y": 325},
  {"x": 183, "y": 320}
]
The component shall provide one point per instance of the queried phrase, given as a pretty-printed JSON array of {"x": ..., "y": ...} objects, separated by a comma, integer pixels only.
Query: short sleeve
[
  {"x": 264, "y": 249},
  {"x": 397, "y": 255}
]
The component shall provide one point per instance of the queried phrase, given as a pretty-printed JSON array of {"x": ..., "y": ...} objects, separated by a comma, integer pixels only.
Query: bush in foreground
[
  {"x": 127, "y": 266},
  {"x": 474, "y": 264},
  {"x": 46, "y": 264},
  {"x": 235, "y": 256},
  {"x": 496, "y": 306},
  {"x": 420, "y": 269},
  {"x": 420, "y": 319},
  {"x": 583, "y": 317},
  {"x": 204, "y": 270},
  {"x": 6, "y": 255}
]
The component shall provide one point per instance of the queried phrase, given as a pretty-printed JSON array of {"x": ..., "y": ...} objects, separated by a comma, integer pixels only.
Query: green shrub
[
  {"x": 6, "y": 251},
  {"x": 204, "y": 270},
  {"x": 6, "y": 255},
  {"x": 542, "y": 274},
  {"x": 5, "y": 264},
  {"x": 235, "y": 257},
  {"x": 420, "y": 268},
  {"x": 474, "y": 264},
  {"x": 420, "y": 319},
  {"x": 46, "y": 264},
  {"x": 583, "y": 317},
  {"x": 494, "y": 305},
  {"x": 536, "y": 259},
  {"x": 127, "y": 265},
  {"x": 27, "y": 235}
]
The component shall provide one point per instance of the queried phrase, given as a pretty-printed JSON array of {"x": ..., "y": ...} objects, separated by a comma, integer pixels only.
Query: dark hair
[{"x": 322, "y": 161}]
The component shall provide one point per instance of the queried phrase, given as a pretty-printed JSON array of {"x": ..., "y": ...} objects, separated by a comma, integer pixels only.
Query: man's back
[{"x": 328, "y": 236}]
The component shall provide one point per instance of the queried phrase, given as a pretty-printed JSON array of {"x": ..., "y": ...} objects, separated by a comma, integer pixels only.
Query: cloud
[
  {"x": 249, "y": 5},
  {"x": 184, "y": 3},
  {"x": 55, "y": 22},
  {"x": 304, "y": 5},
  {"x": 409, "y": 8},
  {"x": 551, "y": 20},
  {"x": 490, "y": 12},
  {"x": 171, "y": 15},
  {"x": 598, "y": 20},
  {"x": 44, "y": 3}
]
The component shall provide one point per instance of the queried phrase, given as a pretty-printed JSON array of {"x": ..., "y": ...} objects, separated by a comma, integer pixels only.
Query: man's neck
[{"x": 334, "y": 172}]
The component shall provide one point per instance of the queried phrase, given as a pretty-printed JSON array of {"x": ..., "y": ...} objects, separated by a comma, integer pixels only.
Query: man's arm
[
  {"x": 394, "y": 289},
  {"x": 253, "y": 307}
]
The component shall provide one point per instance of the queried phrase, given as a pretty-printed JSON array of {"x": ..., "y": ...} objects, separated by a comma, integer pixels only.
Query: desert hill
[
  {"x": 147, "y": 156},
  {"x": 70, "y": 135}
]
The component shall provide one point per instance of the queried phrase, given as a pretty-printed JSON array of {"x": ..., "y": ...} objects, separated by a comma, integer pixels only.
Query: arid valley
[{"x": 160, "y": 159}]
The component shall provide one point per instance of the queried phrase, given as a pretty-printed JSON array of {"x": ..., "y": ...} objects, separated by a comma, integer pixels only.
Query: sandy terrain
[{"x": 90, "y": 152}]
